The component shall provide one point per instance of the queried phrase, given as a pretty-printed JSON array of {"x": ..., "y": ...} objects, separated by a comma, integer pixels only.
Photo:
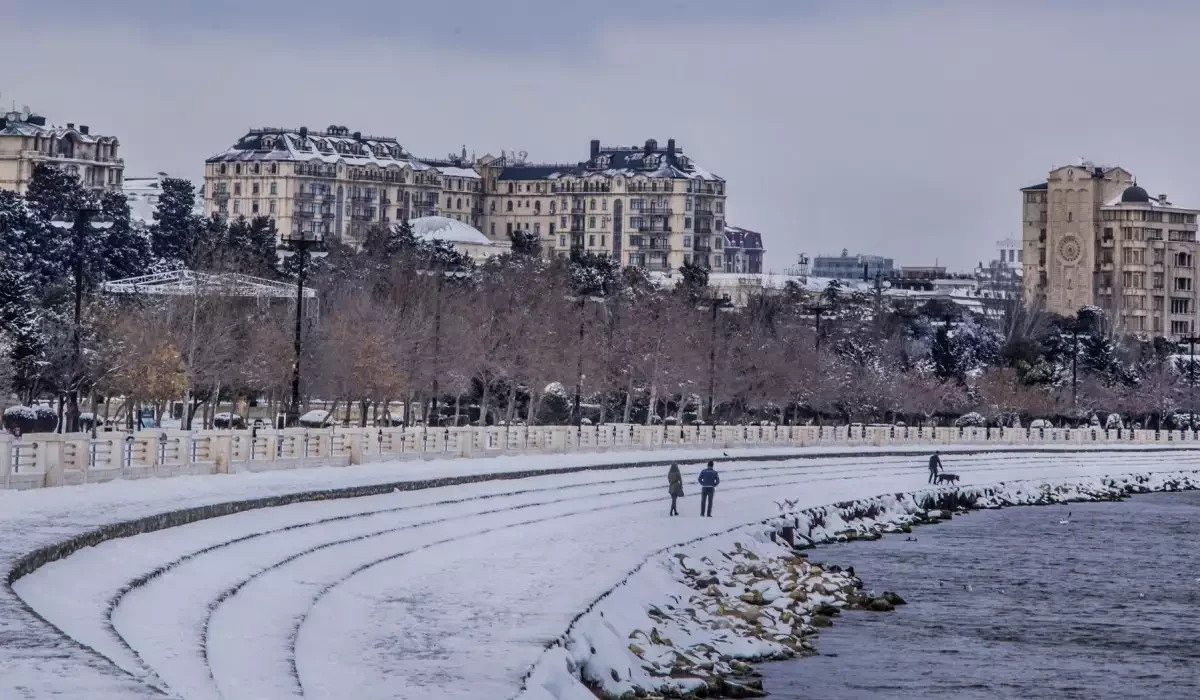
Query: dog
[{"x": 947, "y": 478}]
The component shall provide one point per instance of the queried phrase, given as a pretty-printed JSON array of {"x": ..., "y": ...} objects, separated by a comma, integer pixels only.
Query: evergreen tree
[
  {"x": 525, "y": 243},
  {"x": 944, "y": 355},
  {"x": 254, "y": 241},
  {"x": 53, "y": 191},
  {"x": 832, "y": 294},
  {"x": 593, "y": 274},
  {"x": 19, "y": 324},
  {"x": 693, "y": 280},
  {"x": 178, "y": 232},
  {"x": 121, "y": 251},
  {"x": 28, "y": 244}
]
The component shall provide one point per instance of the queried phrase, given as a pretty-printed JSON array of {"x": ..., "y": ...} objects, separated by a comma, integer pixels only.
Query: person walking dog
[
  {"x": 709, "y": 479},
  {"x": 935, "y": 463},
  {"x": 675, "y": 487}
]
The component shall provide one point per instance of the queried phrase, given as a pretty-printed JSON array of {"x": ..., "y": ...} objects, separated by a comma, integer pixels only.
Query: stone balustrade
[{"x": 40, "y": 460}]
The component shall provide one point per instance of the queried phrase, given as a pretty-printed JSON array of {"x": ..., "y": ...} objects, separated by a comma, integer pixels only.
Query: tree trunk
[
  {"x": 457, "y": 408},
  {"x": 603, "y": 407},
  {"x": 682, "y": 407},
  {"x": 512, "y": 404},
  {"x": 628, "y": 402},
  {"x": 483, "y": 404},
  {"x": 652, "y": 407},
  {"x": 535, "y": 402}
]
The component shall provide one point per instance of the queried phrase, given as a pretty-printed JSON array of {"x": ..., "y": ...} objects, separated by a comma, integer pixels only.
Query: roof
[
  {"x": 1039, "y": 186},
  {"x": 650, "y": 161},
  {"x": 737, "y": 237},
  {"x": 443, "y": 228},
  {"x": 187, "y": 283}
]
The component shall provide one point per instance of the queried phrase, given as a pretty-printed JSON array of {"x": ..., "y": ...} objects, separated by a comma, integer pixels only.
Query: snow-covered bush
[
  {"x": 970, "y": 420},
  {"x": 1095, "y": 421},
  {"x": 47, "y": 419},
  {"x": 1041, "y": 423},
  {"x": 314, "y": 419},
  {"x": 22, "y": 417},
  {"x": 1113, "y": 422},
  {"x": 225, "y": 420}
]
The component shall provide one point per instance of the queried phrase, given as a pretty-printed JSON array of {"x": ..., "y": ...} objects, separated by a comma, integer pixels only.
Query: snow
[
  {"x": 23, "y": 412},
  {"x": 446, "y": 229},
  {"x": 452, "y": 592}
]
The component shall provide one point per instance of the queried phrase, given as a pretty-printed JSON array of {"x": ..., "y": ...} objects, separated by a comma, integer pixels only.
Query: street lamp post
[
  {"x": 715, "y": 304},
  {"x": 300, "y": 244},
  {"x": 77, "y": 221},
  {"x": 816, "y": 310}
]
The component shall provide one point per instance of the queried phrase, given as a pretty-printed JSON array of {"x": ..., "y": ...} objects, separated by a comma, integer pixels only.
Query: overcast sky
[{"x": 898, "y": 128}]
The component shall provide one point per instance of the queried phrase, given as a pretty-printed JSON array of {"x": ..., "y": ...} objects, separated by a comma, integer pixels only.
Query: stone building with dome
[{"x": 1091, "y": 236}]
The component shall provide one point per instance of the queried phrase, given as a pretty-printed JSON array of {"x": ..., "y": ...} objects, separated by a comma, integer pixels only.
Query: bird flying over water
[{"x": 1066, "y": 520}]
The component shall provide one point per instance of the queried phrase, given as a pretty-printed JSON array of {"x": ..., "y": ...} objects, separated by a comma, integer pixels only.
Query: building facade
[
  {"x": 335, "y": 184},
  {"x": 852, "y": 267},
  {"x": 642, "y": 205},
  {"x": 743, "y": 251},
  {"x": 1093, "y": 237},
  {"x": 1000, "y": 279},
  {"x": 26, "y": 140},
  {"x": 649, "y": 206}
]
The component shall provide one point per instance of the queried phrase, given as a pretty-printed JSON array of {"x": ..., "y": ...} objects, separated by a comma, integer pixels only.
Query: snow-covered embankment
[{"x": 690, "y": 619}]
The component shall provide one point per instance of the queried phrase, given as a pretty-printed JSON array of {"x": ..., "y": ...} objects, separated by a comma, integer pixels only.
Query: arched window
[
  {"x": 509, "y": 207},
  {"x": 593, "y": 205},
  {"x": 458, "y": 203}
]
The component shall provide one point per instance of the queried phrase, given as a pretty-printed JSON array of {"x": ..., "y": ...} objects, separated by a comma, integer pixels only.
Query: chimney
[
  {"x": 651, "y": 146},
  {"x": 595, "y": 149},
  {"x": 84, "y": 129},
  {"x": 357, "y": 136},
  {"x": 670, "y": 148},
  {"x": 70, "y": 125},
  {"x": 1162, "y": 199},
  {"x": 303, "y": 132},
  {"x": 36, "y": 120}
]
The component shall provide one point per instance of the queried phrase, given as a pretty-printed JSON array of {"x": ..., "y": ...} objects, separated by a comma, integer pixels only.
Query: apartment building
[
  {"x": 1091, "y": 236},
  {"x": 743, "y": 250},
  {"x": 335, "y": 183},
  {"x": 26, "y": 140},
  {"x": 650, "y": 206},
  {"x": 646, "y": 205}
]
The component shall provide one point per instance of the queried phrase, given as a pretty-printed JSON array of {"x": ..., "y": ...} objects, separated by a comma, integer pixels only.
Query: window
[
  {"x": 687, "y": 241},
  {"x": 593, "y": 205},
  {"x": 508, "y": 206},
  {"x": 687, "y": 223},
  {"x": 237, "y": 206},
  {"x": 508, "y": 228},
  {"x": 720, "y": 207},
  {"x": 1158, "y": 304},
  {"x": 1133, "y": 256},
  {"x": 551, "y": 228},
  {"x": 1180, "y": 327},
  {"x": 1159, "y": 256},
  {"x": 1183, "y": 260},
  {"x": 237, "y": 169},
  {"x": 274, "y": 188},
  {"x": 1180, "y": 306},
  {"x": 1183, "y": 284},
  {"x": 718, "y": 242},
  {"x": 592, "y": 221},
  {"x": 254, "y": 207},
  {"x": 458, "y": 203},
  {"x": 592, "y": 240},
  {"x": 604, "y": 205},
  {"x": 237, "y": 189},
  {"x": 562, "y": 241},
  {"x": 563, "y": 221},
  {"x": 1188, "y": 236},
  {"x": 254, "y": 188},
  {"x": 537, "y": 207},
  {"x": 603, "y": 240},
  {"x": 537, "y": 228},
  {"x": 553, "y": 207},
  {"x": 492, "y": 229},
  {"x": 1158, "y": 283},
  {"x": 687, "y": 205},
  {"x": 273, "y": 206}
]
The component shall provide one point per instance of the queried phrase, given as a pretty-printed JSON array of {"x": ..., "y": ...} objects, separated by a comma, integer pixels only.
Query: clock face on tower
[{"x": 1069, "y": 249}]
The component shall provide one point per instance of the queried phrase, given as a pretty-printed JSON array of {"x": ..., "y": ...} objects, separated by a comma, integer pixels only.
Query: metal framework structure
[{"x": 189, "y": 282}]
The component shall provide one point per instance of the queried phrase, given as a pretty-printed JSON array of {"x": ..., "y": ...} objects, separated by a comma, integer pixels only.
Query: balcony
[
  {"x": 579, "y": 209},
  {"x": 220, "y": 196},
  {"x": 302, "y": 214},
  {"x": 702, "y": 248},
  {"x": 656, "y": 209},
  {"x": 704, "y": 230},
  {"x": 576, "y": 228},
  {"x": 305, "y": 196},
  {"x": 356, "y": 216},
  {"x": 1106, "y": 267},
  {"x": 1106, "y": 243}
]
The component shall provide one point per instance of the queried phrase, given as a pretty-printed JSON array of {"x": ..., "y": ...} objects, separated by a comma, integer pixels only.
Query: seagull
[
  {"x": 1066, "y": 520},
  {"x": 910, "y": 539},
  {"x": 970, "y": 588},
  {"x": 725, "y": 453}
]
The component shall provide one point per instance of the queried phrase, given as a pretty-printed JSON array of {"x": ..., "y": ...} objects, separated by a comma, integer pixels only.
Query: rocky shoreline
[{"x": 692, "y": 621}]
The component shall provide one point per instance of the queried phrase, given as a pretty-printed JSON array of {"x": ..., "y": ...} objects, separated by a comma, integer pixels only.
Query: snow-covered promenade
[{"x": 450, "y": 591}]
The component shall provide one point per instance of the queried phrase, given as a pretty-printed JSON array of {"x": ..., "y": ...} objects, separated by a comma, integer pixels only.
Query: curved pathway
[{"x": 451, "y": 591}]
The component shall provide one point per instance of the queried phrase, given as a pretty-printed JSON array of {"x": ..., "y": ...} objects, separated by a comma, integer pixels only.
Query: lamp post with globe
[{"x": 78, "y": 221}]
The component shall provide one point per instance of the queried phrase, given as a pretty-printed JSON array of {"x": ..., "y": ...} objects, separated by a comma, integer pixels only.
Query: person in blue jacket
[{"x": 708, "y": 485}]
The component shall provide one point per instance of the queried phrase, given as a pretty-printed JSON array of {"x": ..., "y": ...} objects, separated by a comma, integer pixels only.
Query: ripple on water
[{"x": 1012, "y": 604}]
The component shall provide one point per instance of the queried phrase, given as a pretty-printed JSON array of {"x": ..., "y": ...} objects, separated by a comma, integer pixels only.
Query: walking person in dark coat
[
  {"x": 708, "y": 485},
  {"x": 675, "y": 486},
  {"x": 935, "y": 463}
]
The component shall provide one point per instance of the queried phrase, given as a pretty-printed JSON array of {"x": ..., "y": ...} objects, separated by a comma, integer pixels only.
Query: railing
[{"x": 39, "y": 460}]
